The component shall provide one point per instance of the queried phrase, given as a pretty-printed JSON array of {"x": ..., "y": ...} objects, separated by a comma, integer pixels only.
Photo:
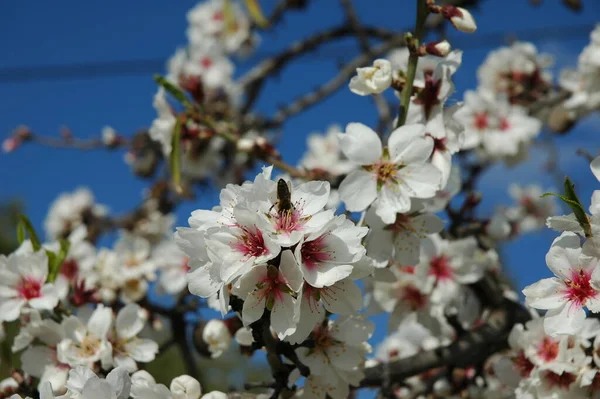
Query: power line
[{"x": 92, "y": 70}]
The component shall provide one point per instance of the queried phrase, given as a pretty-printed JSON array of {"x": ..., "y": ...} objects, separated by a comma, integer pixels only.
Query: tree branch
[
  {"x": 253, "y": 80},
  {"x": 471, "y": 349},
  {"x": 332, "y": 85}
]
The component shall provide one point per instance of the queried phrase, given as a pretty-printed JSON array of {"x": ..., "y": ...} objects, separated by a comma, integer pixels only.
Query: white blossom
[
  {"x": 372, "y": 80},
  {"x": 389, "y": 176}
]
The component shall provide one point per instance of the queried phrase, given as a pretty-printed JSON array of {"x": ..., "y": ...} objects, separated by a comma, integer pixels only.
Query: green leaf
[
  {"x": 174, "y": 91},
  {"x": 55, "y": 261},
  {"x": 20, "y": 232},
  {"x": 175, "y": 159},
  {"x": 256, "y": 13},
  {"x": 571, "y": 199},
  {"x": 25, "y": 225}
]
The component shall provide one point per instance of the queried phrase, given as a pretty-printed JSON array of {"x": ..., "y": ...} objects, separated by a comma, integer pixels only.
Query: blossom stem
[{"x": 413, "y": 44}]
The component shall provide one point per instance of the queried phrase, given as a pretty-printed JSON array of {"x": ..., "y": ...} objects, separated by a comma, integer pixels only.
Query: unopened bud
[
  {"x": 109, "y": 136},
  {"x": 186, "y": 387},
  {"x": 460, "y": 18},
  {"x": 157, "y": 324},
  {"x": 438, "y": 49},
  {"x": 245, "y": 145},
  {"x": 10, "y": 144}
]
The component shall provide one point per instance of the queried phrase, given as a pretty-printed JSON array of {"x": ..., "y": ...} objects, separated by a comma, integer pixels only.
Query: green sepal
[
  {"x": 25, "y": 225},
  {"x": 173, "y": 90},
  {"x": 175, "y": 158},
  {"x": 55, "y": 261},
  {"x": 570, "y": 198}
]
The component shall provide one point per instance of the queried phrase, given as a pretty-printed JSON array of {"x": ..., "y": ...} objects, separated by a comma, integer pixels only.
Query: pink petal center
[
  {"x": 439, "y": 266},
  {"x": 314, "y": 252},
  {"x": 579, "y": 289},
  {"x": 251, "y": 243},
  {"x": 30, "y": 287}
]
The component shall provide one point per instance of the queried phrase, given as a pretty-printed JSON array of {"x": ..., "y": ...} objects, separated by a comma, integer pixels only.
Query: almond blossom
[
  {"x": 401, "y": 240},
  {"x": 532, "y": 210},
  {"x": 86, "y": 344},
  {"x": 343, "y": 298},
  {"x": 446, "y": 265},
  {"x": 338, "y": 356},
  {"x": 389, "y": 176},
  {"x": 23, "y": 283},
  {"x": 326, "y": 256},
  {"x": 128, "y": 348},
  {"x": 68, "y": 211},
  {"x": 494, "y": 126},
  {"x": 574, "y": 287},
  {"x": 84, "y": 383},
  {"x": 372, "y": 80},
  {"x": 266, "y": 287},
  {"x": 516, "y": 71}
]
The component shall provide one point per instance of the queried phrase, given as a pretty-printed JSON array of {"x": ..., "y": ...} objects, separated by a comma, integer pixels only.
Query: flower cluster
[
  {"x": 576, "y": 285},
  {"x": 541, "y": 365},
  {"x": 584, "y": 81},
  {"x": 277, "y": 268},
  {"x": 494, "y": 116}
]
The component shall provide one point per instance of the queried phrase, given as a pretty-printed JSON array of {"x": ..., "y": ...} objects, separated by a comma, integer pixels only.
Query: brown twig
[
  {"x": 471, "y": 349},
  {"x": 328, "y": 88},
  {"x": 253, "y": 80}
]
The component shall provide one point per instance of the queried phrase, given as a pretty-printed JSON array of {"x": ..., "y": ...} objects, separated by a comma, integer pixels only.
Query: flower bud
[
  {"x": 185, "y": 387},
  {"x": 460, "y": 18},
  {"x": 438, "y": 49},
  {"x": 212, "y": 338},
  {"x": 10, "y": 144},
  {"x": 109, "y": 136},
  {"x": 245, "y": 144}
]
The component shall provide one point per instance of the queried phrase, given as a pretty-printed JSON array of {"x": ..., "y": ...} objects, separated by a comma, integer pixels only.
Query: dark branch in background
[
  {"x": 253, "y": 80},
  {"x": 282, "y": 6},
  {"x": 471, "y": 349},
  {"x": 330, "y": 87},
  {"x": 395, "y": 39}
]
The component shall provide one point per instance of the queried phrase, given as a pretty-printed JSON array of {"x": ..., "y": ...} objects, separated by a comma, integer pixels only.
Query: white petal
[
  {"x": 283, "y": 316},
  {"x": 100, "y": 321},
  {"x": 565, "y": 320},
  {"x": 544, "y": 294},
  {"x": 344, "y": 297},
  {"x": 254, "y": 307},
  {"x": 290, "y": 269},
  {"x": 595, "y": 167},
  {"x": 120, "y": 381},
  {"x": 420, "y": 180},
  {"x": 200, "y": 283},
  {"x": 130, "y": 321},
  {"x": 360, "y": 144},
  {"x": 408, "y": 144},
  {"x": 358, "y": 190},
  {"x": 564, "y": 255}
]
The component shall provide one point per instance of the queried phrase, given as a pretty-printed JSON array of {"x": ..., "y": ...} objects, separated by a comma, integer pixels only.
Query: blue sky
[{"x": 70, "y": 32}]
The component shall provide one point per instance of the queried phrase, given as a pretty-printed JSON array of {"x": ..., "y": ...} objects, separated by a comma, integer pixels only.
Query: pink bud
[
  {"x": 460, "y": 18},
  {"x": 439, "y": 49},
  {"x": 10, "y": 144}
]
